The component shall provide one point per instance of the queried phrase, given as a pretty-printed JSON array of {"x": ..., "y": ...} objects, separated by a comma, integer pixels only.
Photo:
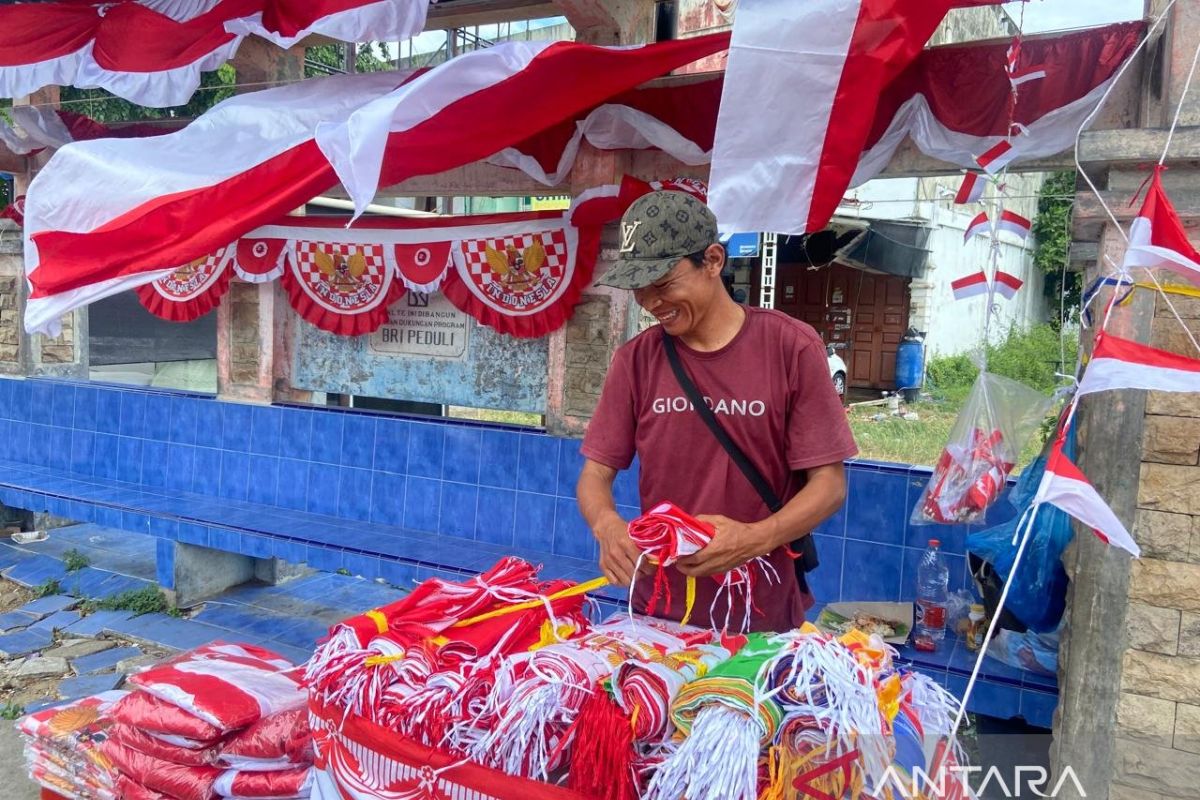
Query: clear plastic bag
[
  {"x": 1036, "y": 652},
  {"x": 998, "y": 418}
]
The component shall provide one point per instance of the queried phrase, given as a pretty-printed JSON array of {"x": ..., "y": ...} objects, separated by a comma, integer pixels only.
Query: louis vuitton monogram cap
[{"x": 656, "y": 231}]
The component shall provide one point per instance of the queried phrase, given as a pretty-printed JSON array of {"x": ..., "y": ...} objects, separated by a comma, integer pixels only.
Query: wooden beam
[
  {"x": 466, "y": 13},
  {"x": 1139, "y": 146}
]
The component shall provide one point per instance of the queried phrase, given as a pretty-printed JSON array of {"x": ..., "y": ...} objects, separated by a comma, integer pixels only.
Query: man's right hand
[{"x": 618, "y": 553}]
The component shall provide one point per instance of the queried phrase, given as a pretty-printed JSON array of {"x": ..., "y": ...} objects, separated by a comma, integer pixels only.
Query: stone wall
[
  {"x": 588, "y": 351},
  {"x": 1158, "y": 713},
  {"x": 10, "y": 301}
]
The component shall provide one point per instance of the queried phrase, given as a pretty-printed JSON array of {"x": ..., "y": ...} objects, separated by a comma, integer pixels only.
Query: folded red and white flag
[
  {"x": 1118, "y": 363},
  {"x": 1014, "y": 223},
  {"x": 970, "y": 286},
  {"x": 1006, "y": 284},
  {"x": 15, "y": 211},
  {"x": 997, "y": 157},
  {"x": 971, "y": 188},
  {"x": 1157, "y": 237},
  {"x": 1065, "y": 487},
  {"x": 832, "y": 58},
  {"x": 152, "y": 52},
  {"x": 253, "y": 158},
  {"x": 978, "y": 226}
]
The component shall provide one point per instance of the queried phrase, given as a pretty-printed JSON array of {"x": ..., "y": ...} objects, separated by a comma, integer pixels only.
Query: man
[{"x": 765, "y": 377}]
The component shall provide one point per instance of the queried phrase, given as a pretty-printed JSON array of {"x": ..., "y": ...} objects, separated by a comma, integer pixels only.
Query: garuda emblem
[{"x": 516, "y": 270}]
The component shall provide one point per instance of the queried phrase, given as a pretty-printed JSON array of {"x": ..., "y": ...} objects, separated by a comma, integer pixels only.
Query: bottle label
[{"x": 932, "y": 616}]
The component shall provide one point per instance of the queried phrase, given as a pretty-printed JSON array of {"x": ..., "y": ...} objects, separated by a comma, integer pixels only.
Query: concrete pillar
[
  {"x": 65, "y": 355},
  {"x": 609, "y": 21},
  {"x": 250, "y": 316}
]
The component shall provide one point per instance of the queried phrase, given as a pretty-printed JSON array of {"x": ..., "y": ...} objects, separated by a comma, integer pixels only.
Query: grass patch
[
  {"x": 146, "y": 600},
  {"x": 11, "y": 710},
  {"x": 47, "y": 588},
  {"x": 74, "y": 560},
  {"x": 896, "y": 439},
  {"x": 342, "y": 571},
  {"x": 1028, "y": 356},
  {"x": 525, "y": 418}
]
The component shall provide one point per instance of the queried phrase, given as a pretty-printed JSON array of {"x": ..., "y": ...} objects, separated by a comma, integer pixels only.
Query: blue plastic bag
[{"x": 1039, "y": 592}]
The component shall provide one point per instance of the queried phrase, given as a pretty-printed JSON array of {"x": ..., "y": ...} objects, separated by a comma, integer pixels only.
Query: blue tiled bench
[
  {"x": 402, "y": 498},
  {"x": 382, "y": 496}
]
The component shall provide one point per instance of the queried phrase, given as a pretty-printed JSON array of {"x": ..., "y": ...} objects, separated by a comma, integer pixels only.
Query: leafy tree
[
  {"x": 1052, "y": 228},
  {"x": 330, "y": 59},
  {"x": 102, "y": 106}
]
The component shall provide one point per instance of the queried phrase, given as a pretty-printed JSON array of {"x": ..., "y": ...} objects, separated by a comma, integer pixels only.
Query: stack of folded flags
[
  {"x": 224, "y": 720},
  {"x": 220, "y": 721},
  {"x": 62, "y": 747}
]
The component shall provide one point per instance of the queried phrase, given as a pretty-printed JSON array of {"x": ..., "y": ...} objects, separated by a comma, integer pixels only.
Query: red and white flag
[
  {"x": 1018, "y": 74},
  {"x": 152, "y": 52},
  {"x": 1157, "y": 237},
  {"x": 970, "y": 286},
  {"x": 1007, "y": 285},
  {"x": 978, "y": 226},
  {"x": 1014, "y": 223},
  {"x": 971, "y": 188},
  {"x": 831, "y": 58},
  {"x": 1065, "y": 487},
  {"x": 1118, "y": 363},
  {"x": 996, "y": 157},
  {"x": 15, "y": 211},
  {"x": 253, "y": 158}
]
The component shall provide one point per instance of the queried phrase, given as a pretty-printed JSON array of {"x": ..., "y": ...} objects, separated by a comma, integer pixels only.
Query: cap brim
[{"x": 637, "y": 273}]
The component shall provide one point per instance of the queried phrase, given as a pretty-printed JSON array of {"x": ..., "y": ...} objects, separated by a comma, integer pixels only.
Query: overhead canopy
[
  {"x": 152, "y": 52},
  {"x": 890, "y": 246}
]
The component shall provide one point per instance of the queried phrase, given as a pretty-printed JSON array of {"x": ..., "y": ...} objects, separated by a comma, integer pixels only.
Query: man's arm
[
  {"x": 618, "y": 553},
  {"x": 737, "y": 542}
]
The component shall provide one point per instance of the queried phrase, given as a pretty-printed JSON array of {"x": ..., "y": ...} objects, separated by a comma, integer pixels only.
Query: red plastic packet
[
  {"x": 275, "y": 742},
  {"x": 145, "y": 743},
  {"x": 146, "y": 713},
  {"x": 183, "y": 783}
]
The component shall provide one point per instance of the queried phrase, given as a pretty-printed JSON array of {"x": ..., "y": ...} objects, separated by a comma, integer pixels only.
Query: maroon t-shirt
[{"x": 770, "y": 389}]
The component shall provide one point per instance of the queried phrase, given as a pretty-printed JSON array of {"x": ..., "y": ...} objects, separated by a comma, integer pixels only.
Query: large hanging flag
[
  {"x": 253, "y": 158},
  {"x": 1065, "y": 487},
  {"x": 1157, "y": 237},
  {"x": 831, "y": 60},
  {"x": 152, "y": 52},
  {"x": 1118, "y": 363}
]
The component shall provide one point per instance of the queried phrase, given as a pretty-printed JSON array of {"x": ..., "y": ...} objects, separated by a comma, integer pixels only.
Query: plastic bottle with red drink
[{"x": 933, "y": 593}]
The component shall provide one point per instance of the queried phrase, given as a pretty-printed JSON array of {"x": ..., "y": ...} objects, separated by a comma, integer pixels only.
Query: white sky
[{"x": 1054, "y": 15}]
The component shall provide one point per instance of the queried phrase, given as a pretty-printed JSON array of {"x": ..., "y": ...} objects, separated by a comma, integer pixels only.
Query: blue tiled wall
[
  {"x": 872, "y": 552},
  {"x": 501, "y": 485}
]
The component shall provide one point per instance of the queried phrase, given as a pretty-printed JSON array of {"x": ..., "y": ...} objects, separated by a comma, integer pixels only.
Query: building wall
[
  {"x": 1158, "y": 713},
  {"x": 957, "y": 326}
]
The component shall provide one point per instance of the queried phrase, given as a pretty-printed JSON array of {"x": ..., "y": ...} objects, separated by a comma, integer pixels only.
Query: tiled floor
[{"x": 289, "y": 618}]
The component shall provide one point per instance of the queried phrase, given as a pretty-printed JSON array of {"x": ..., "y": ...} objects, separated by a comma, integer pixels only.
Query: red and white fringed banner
[
  {"x": 520, "y": 274},
  {"x": 151, "y": 52}
]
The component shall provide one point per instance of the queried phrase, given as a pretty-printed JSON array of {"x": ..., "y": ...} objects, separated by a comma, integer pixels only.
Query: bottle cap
[{"x": 935, "y": 543}]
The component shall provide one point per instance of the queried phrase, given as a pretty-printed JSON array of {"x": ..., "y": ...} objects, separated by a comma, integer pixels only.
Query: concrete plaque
[{"x": 423, "y": 325}]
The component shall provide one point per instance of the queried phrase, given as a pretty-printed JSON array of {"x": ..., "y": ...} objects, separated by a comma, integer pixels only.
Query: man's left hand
[{"x": 733, "y": 544}]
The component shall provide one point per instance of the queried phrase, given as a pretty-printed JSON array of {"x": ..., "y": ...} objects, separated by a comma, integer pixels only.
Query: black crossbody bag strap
[{"x": 804, "y": 546}]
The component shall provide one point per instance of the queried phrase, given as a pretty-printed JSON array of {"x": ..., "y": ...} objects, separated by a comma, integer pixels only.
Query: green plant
[
  {"x": 87, "y": 606},
  {"x": 175, "y": 611},
  {"x": 140, "y": 601},
  {"x": 1033, "y": 357},
  {"x": 48, "y": 587},
  {"x": 342, "y": 571},
  {"x": 1052, "y": 232},
  {"x": 11, "y": 710},
  {"x": 105, "y": 107},
  {"x": 75, "y": 560}
]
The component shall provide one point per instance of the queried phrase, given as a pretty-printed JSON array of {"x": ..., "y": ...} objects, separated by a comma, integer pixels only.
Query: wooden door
[
  {"x": 879, "y": 317},
  {"x": 862, "y": 314}
]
